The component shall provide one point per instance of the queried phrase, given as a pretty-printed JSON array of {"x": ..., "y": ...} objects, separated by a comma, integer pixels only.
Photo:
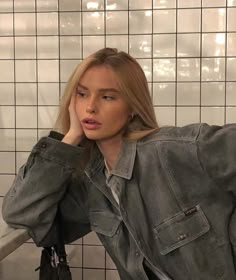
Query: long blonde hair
[{"x": 133, "y": 87}]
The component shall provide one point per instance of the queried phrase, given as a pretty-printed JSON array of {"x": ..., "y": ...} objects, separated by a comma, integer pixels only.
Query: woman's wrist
[{"x": 72, "y": 139}]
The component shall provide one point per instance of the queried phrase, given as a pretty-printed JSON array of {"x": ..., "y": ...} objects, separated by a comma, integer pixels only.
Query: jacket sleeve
[
  {"x": 217, "y": 154},
  {"x": 42, "y": 182}
]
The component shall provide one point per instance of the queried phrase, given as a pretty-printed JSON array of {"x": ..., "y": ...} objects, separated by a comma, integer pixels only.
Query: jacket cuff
[{"x": 51, "y": 148}]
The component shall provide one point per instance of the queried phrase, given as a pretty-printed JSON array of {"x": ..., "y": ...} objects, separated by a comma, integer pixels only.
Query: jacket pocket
[
  {"x": 181, "y": 229},
  {"x": 104, "y": 223}
]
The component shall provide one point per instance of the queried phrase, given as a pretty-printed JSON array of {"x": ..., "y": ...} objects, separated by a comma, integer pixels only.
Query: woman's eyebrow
[
  {"x": 101, "y": 89},
  {"x": 83, "y": 87}
]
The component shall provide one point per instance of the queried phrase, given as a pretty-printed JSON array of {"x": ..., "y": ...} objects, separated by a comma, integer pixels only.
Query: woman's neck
[{"x": 110, "y": 150}]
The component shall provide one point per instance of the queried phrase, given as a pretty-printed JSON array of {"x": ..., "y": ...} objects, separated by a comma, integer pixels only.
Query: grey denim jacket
[{"x": 177, "y": 194}]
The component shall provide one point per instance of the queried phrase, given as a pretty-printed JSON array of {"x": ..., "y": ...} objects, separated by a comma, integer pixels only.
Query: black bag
[{"x": 53, "y": 262}]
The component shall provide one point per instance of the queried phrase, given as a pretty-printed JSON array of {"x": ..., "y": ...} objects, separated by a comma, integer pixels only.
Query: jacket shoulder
[{"x": 186, "y": 133}]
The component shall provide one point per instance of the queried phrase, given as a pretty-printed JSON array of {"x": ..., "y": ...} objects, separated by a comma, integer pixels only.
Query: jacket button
[
  {"x": 137, "y": 254},
  {"x": 43, "y": 145},
  {"x": 182, "y": 236}
]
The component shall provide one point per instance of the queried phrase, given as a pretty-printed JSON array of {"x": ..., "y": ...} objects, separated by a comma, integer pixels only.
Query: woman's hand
[{"x": 75, "y": 133}]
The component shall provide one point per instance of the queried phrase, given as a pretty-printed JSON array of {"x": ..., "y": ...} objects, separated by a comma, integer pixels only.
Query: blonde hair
[{"x": 133, "y": 87}]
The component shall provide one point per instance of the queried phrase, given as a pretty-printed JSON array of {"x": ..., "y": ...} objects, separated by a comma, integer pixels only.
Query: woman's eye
[
  {"x": 80, "y": 93},
  {"x": 108, "y": 97}
]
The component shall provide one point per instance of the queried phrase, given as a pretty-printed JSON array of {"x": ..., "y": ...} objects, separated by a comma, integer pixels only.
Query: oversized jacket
[{"x": 177, "y": 197}]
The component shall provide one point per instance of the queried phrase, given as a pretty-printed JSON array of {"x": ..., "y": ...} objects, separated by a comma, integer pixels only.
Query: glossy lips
[{"x": 89, "y": 123}]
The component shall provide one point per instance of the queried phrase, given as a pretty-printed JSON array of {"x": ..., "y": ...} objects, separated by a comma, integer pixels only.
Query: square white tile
[
  {"x": 6, "y": 48},
  {"x": 70, "y": 47},
  {"x": 213, "y": 69},
  {"x": 24, "y": 6},
  {"x": 7, "y": 142},
  {"x": 48, "y": 94},
  {"x": 231, "y": 3},
  {"x": 94, "y": 256},
  {"x": 24, "y": 24},
  {"x": 213, "y": 115},
  {"x": 164, "y": 45},
  {"x": 6, "y": 182},
  {"x": 213, "y": 44},
  {"x": 92, "y": 43},
  {"x": 48, "y": 70},
  {"x": 70, "y": 23},
  {"x": 7, "y": 94},
  {"x": 188, "y": 69},
  {"x": 109, "y": 262},
  {"x": 47, "y": 23},
  {"x": 93, "y": 23},
  {"x": 140, "y": 46},
  {"x": 25, "y": 70},
  {"x": 187, "y": 115},
  {"x": 188, "y": 45},
  {"x": 213, "y": 93},
  {"x": 188, "y": 94},
  {"x": 164, "y": 70},
  {"x": 26, "y": 117},
  {"x": 93, "y": 274},
  {"x": 47, "y": 116},
  {"x": 140, "y": 22},
  {"x": 117, "y": 22},
  {"x": 6, "y": 6},
  {"x": 214, "y": 20},
  {"x": 7, "y": 163},
  {"x": 66, "y": 69},
  {"x": 117, "y": 41},
  {"x": 91, "y": 239},
  {"x": 164, "y": 21},
  {"x": 7, "y": 114},
  {"x": 7, "y": 71},
  {"x": 165, "y": 115},
  {"x": 74, "y": 255},
  {"x": 47, "y": 47},
  {"x": 26, "y": 94},
  {"x": 164, "y": 94},
  {"x": 25, "y": 139},
  {"x": 112, "y": 275},
  {"x": 25, "y": 47},
  {"x": 190, "y": 16},
  {"x": 6, "y": 24}
]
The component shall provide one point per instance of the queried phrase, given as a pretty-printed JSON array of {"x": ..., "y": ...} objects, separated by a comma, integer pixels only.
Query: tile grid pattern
[{"x": 186, "y": 48}]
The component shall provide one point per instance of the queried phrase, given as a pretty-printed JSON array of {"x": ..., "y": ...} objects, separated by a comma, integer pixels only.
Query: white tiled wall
[{"x": 187, "y": 49}]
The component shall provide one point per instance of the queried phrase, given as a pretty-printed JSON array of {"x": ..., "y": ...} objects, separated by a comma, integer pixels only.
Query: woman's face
[{"x": 102, "y": 111}]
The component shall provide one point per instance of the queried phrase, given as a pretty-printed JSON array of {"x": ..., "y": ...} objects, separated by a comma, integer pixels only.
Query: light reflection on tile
[
  {"x": 47, "y": 5},
  {"x": 213, "y": 3},
  {"x": 140, "y": 46},
  {"x": 92, "y": 5},
  {"x": 213, "y": 69},
  {"x": 164, "y": 21},
  {"x": 93, "y": 23},
  {"x": 69, "y": 5},
  {"x": 189, "y": 3},
  {"x": 70, "y": 23},
  {"x": 188, "y": 69},
  {"x": 213, "y": 44},
  {"x": 164, "y": 70},
  {"x": 140, "y": 4},
  {"x": 164, "y": 4},
  {"x": 116, "y": 4}
]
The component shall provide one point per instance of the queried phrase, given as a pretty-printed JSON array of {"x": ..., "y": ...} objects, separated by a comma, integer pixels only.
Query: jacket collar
[{"x": 124, "y": 163}]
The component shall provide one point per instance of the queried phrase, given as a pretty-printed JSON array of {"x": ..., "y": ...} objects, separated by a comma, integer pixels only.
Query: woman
[{"x": 161, "y": 200}]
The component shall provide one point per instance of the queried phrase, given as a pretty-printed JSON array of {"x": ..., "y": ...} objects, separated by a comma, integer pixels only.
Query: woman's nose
[{"x": 91, "y": 107}]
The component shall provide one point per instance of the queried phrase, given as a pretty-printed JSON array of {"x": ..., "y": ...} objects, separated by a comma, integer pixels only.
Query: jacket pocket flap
[
  {"x": 181, "y": 229},
  {"x": 104, "y": 223}
]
